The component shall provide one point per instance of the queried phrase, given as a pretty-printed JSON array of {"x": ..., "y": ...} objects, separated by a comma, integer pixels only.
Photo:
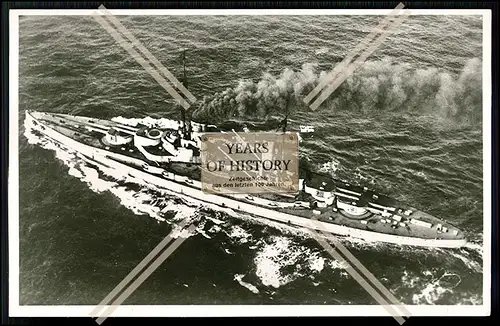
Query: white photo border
[{"x": 16, "y": 310}]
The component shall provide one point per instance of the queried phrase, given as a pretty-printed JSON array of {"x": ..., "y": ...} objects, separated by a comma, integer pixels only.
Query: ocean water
[{"x": 407, "y": 123}]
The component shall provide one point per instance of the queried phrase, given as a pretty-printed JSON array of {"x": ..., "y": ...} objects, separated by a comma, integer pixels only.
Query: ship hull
[{"x": 175, "y": 184}]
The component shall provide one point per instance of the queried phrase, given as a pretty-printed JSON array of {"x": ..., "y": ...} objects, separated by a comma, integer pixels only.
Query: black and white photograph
[{"x": 388, "y": 211}]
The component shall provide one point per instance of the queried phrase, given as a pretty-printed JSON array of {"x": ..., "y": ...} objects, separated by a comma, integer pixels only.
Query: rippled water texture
[{"x": 408, "y": 123}]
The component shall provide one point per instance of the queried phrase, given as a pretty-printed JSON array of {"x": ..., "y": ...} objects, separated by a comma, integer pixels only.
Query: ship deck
[
  {"x": 75, "y": 128},
  {"x": 374, "y": 224}
]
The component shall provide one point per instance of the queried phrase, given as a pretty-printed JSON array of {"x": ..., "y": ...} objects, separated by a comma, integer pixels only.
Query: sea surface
[{"x": 407, "y": 123}]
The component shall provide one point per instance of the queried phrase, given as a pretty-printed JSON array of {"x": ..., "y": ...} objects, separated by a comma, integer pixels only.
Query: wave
[
  {"x": 377, "y": 86},
  {"x": 431, "y": 288},
  {"x": 101, "y": 179},
  {"x": 278, "y": 259}
]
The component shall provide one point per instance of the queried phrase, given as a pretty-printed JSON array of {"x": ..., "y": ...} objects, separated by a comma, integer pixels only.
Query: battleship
[{"x": 168, "y": 157}]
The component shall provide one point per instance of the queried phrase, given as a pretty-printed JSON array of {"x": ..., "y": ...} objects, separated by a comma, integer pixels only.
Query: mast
[
  {"x": 184, "y": 67},
  {"x": 182, "y": 111},
  {"x": 186, "y": 112},
  {"x": 284, "y": 122}
]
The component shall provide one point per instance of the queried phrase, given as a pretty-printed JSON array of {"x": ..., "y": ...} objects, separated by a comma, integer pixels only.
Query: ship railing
[
  {"x": 120, "y": 125},
  {"x": 392, "y": 209},
  {"x": 104, "y": 132},
  {"x": 349, "y": 191},
  {"x": 339, "y": 194},
  {"x": 377, "y": 211}
]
